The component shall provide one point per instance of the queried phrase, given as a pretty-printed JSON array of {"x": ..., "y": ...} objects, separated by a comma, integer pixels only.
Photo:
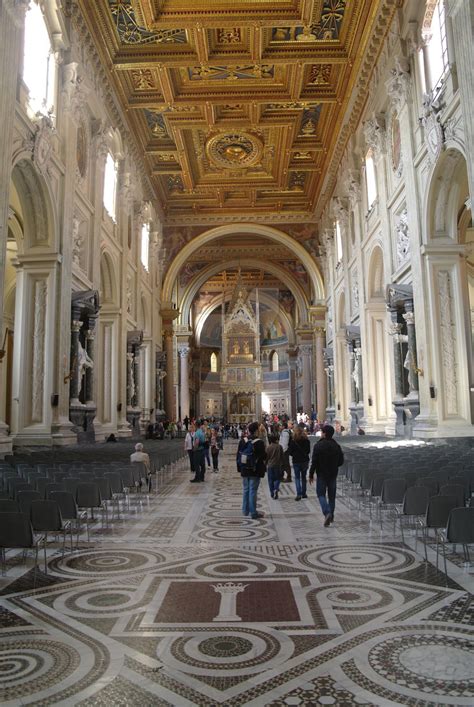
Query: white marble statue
[{"x": 83, "y": 360}]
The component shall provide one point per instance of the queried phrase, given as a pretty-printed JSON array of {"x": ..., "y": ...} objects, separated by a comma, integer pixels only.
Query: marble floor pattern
[{"x": 185, "y": 602}]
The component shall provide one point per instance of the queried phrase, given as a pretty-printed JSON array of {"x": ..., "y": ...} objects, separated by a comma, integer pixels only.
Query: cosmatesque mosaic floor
[{"x": 185, "y": 602}]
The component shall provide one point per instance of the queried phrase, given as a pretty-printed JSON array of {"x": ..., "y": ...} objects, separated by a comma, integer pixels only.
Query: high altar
[{"x": 241, "y": 371}]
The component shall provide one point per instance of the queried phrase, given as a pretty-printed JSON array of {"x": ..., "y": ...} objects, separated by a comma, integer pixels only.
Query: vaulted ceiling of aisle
[{"x": 242, "y": 107}]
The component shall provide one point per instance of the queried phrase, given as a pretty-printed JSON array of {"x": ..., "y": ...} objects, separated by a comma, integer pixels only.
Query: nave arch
[
  {"x": 269, "y": 232},
  {"x": 198, "y": 281},
  {"x": 449, "y": 301},
  {"x": 263, "y": 297}
]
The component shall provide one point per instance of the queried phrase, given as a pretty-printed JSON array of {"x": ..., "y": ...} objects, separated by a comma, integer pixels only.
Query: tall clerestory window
[
  {"x": 338, "y": 243},
  {"x": 145, "y": 246},
  {"x": 39, "y": 65},
  {"x": 433, "y": 59},
  {"x": 370, "y": 179},
  {"x": 110, "y": 186}
]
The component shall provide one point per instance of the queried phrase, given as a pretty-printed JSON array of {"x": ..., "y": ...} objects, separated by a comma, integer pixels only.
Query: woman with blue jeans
[
  {"x": 275, "y": 462},
  {"x": 251, "y": 472},
  {"x": 299, "y": 449}
]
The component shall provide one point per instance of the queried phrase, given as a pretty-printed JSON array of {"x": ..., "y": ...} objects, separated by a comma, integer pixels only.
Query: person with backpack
[
  {"x": 299, "y": 448},
  {"x": 251, "y": 464},
  {"x": 326, "y": 459},
  {"x": 275, "y": 461}
]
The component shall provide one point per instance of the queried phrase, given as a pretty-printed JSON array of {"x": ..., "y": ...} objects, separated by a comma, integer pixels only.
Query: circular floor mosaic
[
  {"x": 430, "y": 663},
  {"x": 359, "y": 558},
  {"x": 105, "y": 562},
  {"x": 229, "y": 568}
]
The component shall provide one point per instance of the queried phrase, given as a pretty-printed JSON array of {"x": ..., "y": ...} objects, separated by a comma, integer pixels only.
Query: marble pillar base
[
  {"x": 133, "y": 418},
  {"x": 99, "y": 432},
  {"x": 124, "y": 430},
  {"x": 398, "y": 406},
  {"x": 6, "y": 443},
  {"x": 412, "y": 410},
  {"x": 63, "y": 433},
  {"x": 357, "y": 418},
  {"x": 330, "y": 414},
  {"x": 82, "y": 417}
]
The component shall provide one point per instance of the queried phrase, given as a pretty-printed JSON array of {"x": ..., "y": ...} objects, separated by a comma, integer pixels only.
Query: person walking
[
  {"x": 285, "y": 436},
  {"x": 299, "y": 449},
  {"x": 199, "y": 462},
  {"x": 251, "y": 463},
  {"x": 215, "y": 449},
  {"x": 275, "y": 461},
  {"x": 189, "y": 444},
  {"x": 326, "y": 459}
]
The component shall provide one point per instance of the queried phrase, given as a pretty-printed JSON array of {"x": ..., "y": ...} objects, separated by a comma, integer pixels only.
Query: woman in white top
[{"x": 189, "y": 444}]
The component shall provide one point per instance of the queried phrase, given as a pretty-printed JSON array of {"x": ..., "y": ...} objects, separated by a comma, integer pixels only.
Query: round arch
[
  {"x": 445, "y": 195},
  {"x": 269, "y": 232},
  {"x": 263, "y": 297},
  {"x": 37, "y": 211},
  {"x": 375, "y": 279},
  {"x": 198, "y": 281}
]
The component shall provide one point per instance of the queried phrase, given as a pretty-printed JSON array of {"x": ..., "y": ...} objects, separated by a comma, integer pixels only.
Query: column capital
[
  {"x": 409, "y": 317},
  {"x": 305, "y": 349},
  {"x": 17, "y": 10},
  {"x": 76, "y": 325},
  {"x": 183, "y": 350}
]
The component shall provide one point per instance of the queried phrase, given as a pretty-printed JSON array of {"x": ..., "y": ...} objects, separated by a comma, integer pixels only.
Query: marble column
[
  {"x": 352, "y": 369},
  {"x": 395, "y": 332},
  {"x": 409, "y": 318},
  {"x": 136, "y": 399},
  {"x": 183, "y": 351},
  {"x": 130, "y": 383},
  {"x": 169, "y": 382},
  {"x": 321, "y": 381},
  {"x": 90, "y": 349},
  {"x": 306, "y": 352},
  {"x": 75, "y": 384},
  {"x": 358, "y": 378},
  {"x": 292, "y": 356}
]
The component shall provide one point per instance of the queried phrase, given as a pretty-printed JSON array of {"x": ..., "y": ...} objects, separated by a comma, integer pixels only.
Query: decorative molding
[
  {"x": 433, "y": 130},
  {"x": 39, "y": 332},
  {"x": 399, "y": 83},
  {"x": 375, "y": 134},
  {"x": 403, "y": 238},
  {"x": 448, "y": 339},
  {"x": 43, "y": 143}
]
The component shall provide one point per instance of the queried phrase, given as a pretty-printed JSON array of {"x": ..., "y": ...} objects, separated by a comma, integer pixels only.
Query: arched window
[
  {"x": 370, "y": 179},
  {"x": 110, "y": 186},
  {"x": 145, "y": 246},
  {"x": 213, "y": 362},
  {"x": 275, "y": 361},
  {"x": 433, "y": 62},
  {"x": 39, "y": 66},
  {"x": 338, "y": 243}
]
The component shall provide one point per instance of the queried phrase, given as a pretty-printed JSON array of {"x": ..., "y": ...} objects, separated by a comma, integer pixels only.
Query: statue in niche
[
  {"x": 246, "y": 347},
  {"x": 236, "y": 348},
  {"x": 83, "y": 360},
  {"x": 356, "y": 374}
]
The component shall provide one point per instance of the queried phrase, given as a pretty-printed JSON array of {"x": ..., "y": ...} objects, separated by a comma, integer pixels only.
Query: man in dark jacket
[
  {"x": 326, "y": 459},
  {"x": 251, "y": 474}
]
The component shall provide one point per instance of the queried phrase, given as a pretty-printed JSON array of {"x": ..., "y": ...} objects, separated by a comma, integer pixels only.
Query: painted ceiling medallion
[{"x": 234, "y": 150}]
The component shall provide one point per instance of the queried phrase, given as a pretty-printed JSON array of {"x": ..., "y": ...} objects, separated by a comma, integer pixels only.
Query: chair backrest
[
  {"x": 53, "y": 487},
  {"x": 115, "y": 481},
  {"x": 22, "y": 486},
  {"x": 104, "y": 487},
  {"x": 430, "y": 483},
  {"x": 88, "y": 495},
  {"x": 15, "y": 530},
  {"x": 40, "y": 484},
  {"x": 411, "y": 477},
  {"x": 393, "y": 490},
  {"x": 25, "y": 499},
  {"x": 8, "y": 505},
  {"x": 415, "y": 501},
  {"x": 460, "y": 528},
  {"x": 66, "y": 502},
  {"x": 454, "y": 490},
  {"x": 439, "y": 508},
  {"x": 45, "y": 515},
  {"x": 127, "y": 476}
]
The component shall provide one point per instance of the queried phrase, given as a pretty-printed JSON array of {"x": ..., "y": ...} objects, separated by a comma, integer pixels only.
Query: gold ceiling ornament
[{"x": 234, "y": 150}]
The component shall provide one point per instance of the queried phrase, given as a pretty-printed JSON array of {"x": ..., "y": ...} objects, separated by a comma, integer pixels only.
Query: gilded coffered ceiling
[{"x": 242, "y": 107}]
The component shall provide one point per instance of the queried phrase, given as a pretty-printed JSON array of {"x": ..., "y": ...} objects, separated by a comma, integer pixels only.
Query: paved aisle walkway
[{"x": 189, "y": 603}]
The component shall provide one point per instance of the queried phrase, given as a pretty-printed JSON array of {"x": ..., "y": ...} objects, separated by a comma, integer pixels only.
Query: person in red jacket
[{"x": 326, "y": 459}]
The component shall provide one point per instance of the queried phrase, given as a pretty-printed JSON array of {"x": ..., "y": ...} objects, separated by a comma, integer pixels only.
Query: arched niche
[
  {"x": 341, "y": 311},
  {"x": 143, "y": 317},
  {"x": 447, "y": 192},
  {"x": 202, "y": 276},
  {"x": 273, "y": 234},
  {"x": 376, "y": 280},
  {"x": 32, "y": 204},
  {"x": 108, "y": 285}
]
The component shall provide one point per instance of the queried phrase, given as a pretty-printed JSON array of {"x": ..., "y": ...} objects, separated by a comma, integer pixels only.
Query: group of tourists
[
  {"x": 259, "y": 453},
  {"x": 202, "y": 443}
]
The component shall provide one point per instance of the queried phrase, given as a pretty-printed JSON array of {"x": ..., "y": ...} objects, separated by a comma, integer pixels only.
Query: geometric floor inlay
[{"x": 185, "y": 602}]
